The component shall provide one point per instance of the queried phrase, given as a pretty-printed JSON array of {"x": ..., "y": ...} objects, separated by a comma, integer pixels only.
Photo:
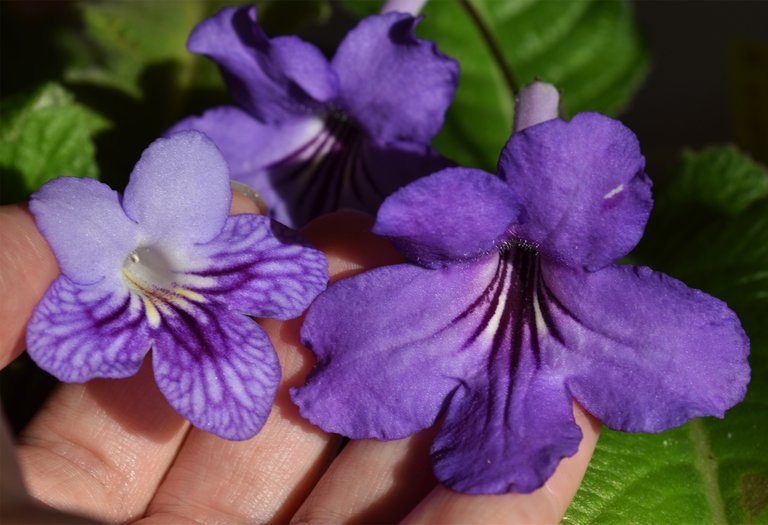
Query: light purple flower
[
  {"x": 313, "y": 136},
  {"x": 513, "y": 308},
  {"x": 164, "y": 267}
]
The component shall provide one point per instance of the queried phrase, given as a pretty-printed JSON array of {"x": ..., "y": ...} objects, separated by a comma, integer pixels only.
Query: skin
[{"x": 115, "y": 451}]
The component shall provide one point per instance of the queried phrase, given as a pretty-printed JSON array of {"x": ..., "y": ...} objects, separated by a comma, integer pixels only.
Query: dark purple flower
[
  {"x": 165, "y": 267},
  {"x": 314, "y": 136},
  {"x": 513, "y": 308}
]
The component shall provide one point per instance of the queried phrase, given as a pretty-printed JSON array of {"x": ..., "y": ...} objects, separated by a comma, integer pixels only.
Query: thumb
[{"x": 27, "y": 268}]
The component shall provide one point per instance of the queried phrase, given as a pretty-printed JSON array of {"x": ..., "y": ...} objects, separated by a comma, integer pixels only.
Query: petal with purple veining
[
  {"x": 392, "y": 343},
  {"x": 217, "y": 368},
  {"x": 505, "y": 432},
  {"x": 79, "y": 332},
  {"x": 337, "y": 167},
  {"x": 258, "y": 267}
]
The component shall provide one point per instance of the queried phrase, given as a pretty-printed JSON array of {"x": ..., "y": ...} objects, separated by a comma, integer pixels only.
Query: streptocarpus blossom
[
  {"x": 313, "y": 136},
  {"x": 164, "y": 267},
  {"x": 511, "y": 306}
]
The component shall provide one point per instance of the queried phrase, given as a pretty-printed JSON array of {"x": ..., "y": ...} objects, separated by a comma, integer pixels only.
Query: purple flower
[
  {"x": 313, "y": 136},
  {"x": 165, "y": 267},
  {"x": 513, "y": 308}
]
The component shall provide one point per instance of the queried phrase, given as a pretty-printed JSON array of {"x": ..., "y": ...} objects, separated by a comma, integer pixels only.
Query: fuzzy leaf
[
  {"x": 44, "y": 135},
  {"x": 710, "y": 229}
]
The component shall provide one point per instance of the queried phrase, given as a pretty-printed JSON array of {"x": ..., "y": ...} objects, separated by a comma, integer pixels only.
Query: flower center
[
  {"x": 515, "y": 307},
  {"x": 150, "y": 274},
  {"x": 148, "y": 270},
  {"x": 327, "y": 172}
]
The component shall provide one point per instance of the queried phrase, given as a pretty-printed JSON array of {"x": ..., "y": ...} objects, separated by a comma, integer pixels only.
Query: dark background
[{"x": 708, "y": 81}]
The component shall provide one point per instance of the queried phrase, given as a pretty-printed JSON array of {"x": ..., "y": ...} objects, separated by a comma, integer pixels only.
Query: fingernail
[{"x": 251, "y": 194}]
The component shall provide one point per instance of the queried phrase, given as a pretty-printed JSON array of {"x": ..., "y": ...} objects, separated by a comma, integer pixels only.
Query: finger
[
  {"x": 266, "y": 478},
  {"x": 27, "y": 268},
  {"x": 545, "y": 505},
  {"x": 102, "y": 448},
  {"x": 17, "y": 506},
  {"x": 397, "y": 475},
  {"x": 246, "y": 200}
]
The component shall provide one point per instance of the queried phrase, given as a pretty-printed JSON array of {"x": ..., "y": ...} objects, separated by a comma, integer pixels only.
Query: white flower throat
[{"x": 152, "y": 276}]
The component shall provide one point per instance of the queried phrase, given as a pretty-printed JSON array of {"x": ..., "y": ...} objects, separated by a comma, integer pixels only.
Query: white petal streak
[{"x": 615, "y": 191}]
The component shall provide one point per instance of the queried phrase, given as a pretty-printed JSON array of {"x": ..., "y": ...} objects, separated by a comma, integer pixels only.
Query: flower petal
[
  {"x": 179, "y": 190},
  {"x": 394, "y": 85},
  {"x": 81, "y": 332},
  {"x": 310, "y": 166},
  {"x": 456, "y": 214},
  {"x": 85, "y": 225},
  {"x": 583, "y": 187},
  {"x": 248, "y": 145},
  {"x": 342, "y": 170},
  {"x": 216, "y": 368},
  {"x": 645, "y": 352},
  {"x": 391, "y": 345},
  {"x": 275, "y": 79},
  {"x": 260, "y": 268},
  {"x": 503, "y": 433}
]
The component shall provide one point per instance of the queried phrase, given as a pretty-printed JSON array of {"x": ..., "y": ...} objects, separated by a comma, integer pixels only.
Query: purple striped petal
[
  {"x": 509, "y": 425},
  {"x": 86, "y": 227},
  {"x": 583, "y": 187},
  {"x": 179, "y": 190},
  {"x": 260, "y": 268},
  {"x": 506, "y": 429},
  {"x": 392, "y": 344},
  {"x": 216, "y": 368},
  {"x": 81, "y": 332},
  {"x": 645, "y": 352},
  {"x": 274, "y": 80},
  {"x": 335, "y": 167},
  {"x": 397, "y": 87},
  {"x": 454, "y": 215}
]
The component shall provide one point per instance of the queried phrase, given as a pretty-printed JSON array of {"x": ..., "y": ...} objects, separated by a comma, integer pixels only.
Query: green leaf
[
  {"x": 363, "y": 8},
  {"x": 710, "y": 229},
  {"x": 590, "y": 50},
  {"x": 701, "y": 177},
  {"x": 130, "y": 36},
  {"x": 42, "y": 136},
  {"x": 133, "y": 67}
]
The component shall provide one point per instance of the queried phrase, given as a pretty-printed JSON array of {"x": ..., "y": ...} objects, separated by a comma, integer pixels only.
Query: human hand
[{"x": 115, "y": 451}]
